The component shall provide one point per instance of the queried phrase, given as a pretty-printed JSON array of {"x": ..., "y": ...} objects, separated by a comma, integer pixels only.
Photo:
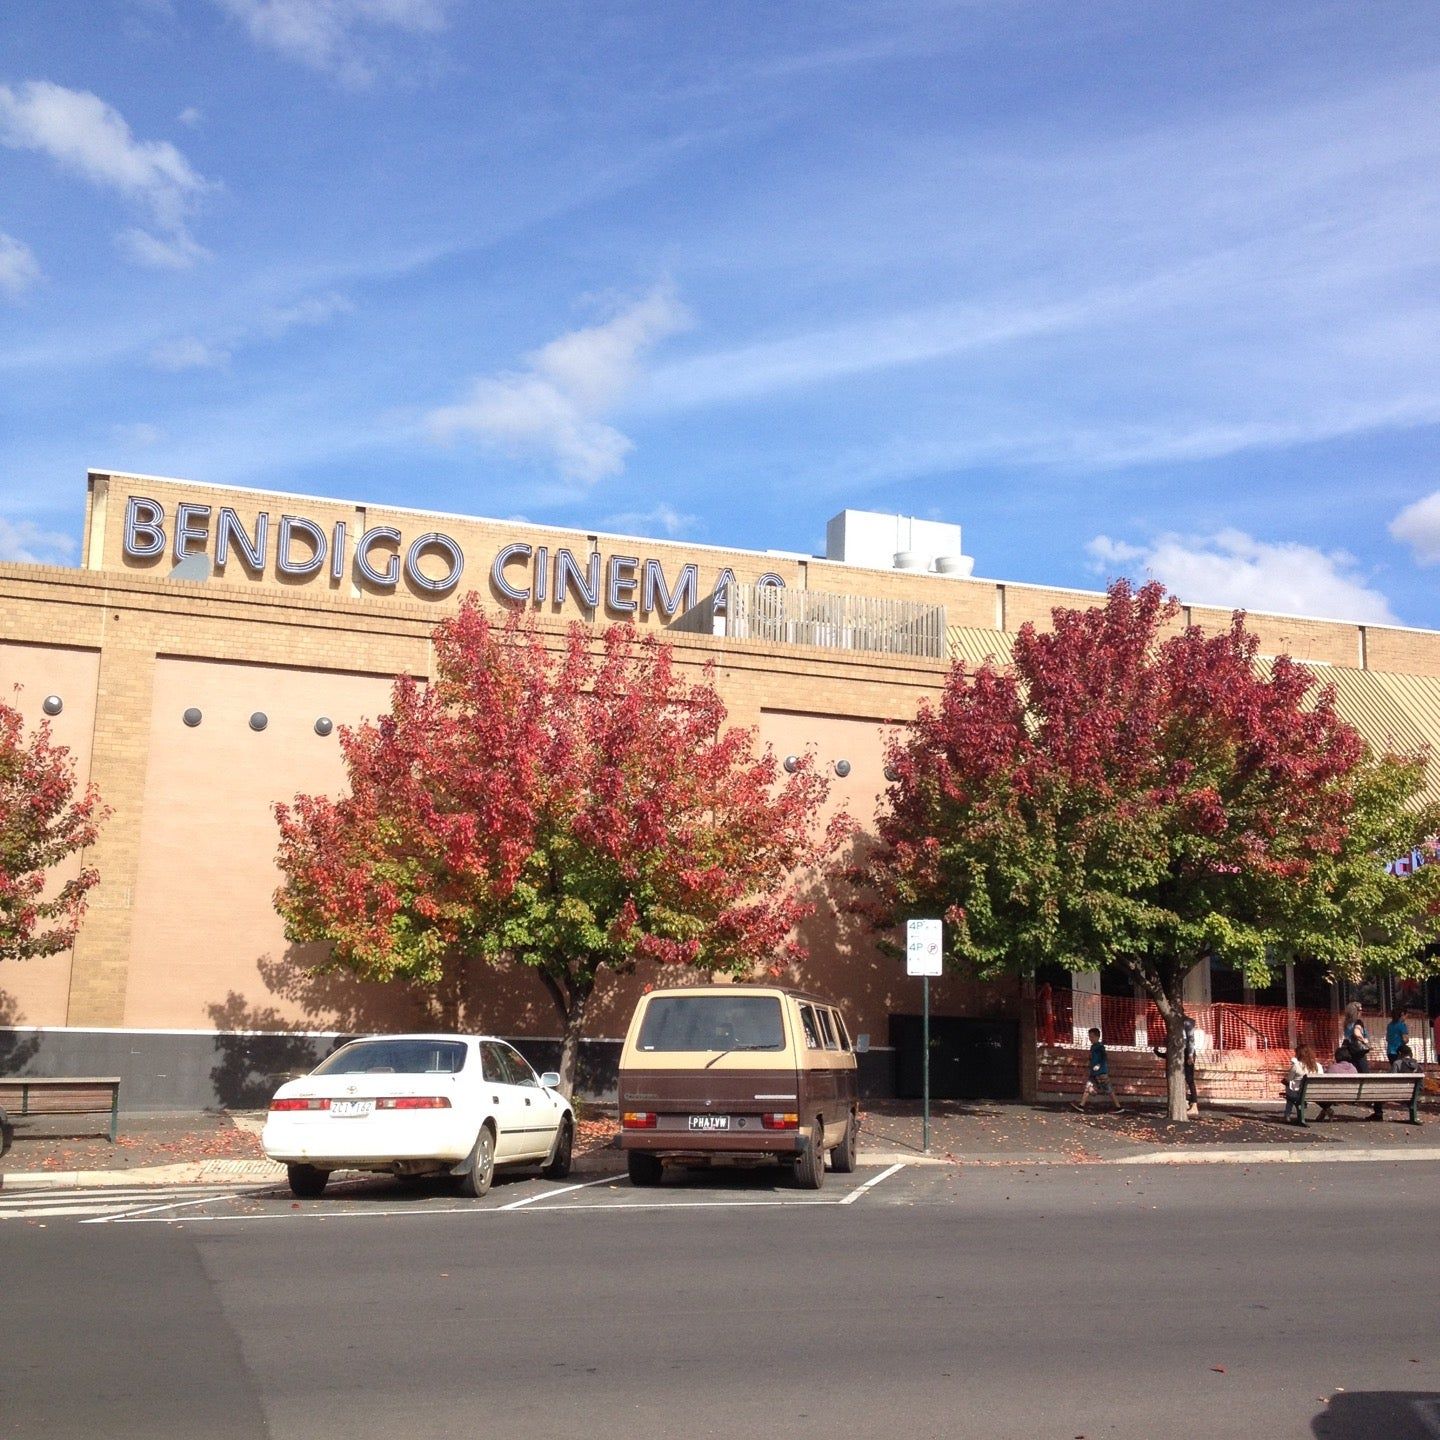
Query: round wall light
[
  {"x": 52, "y": 705},
  {"x": 192, "y": 717},
  {"x": 891, "y": 774},
  {"x": 259, "y": 720},
  {"x": 324, "y": 725},
  {"x": 842, "y": 768},
  {"x": 792, "y": 764}
]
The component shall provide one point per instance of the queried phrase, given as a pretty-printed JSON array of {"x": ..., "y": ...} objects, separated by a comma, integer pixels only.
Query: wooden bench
[
  {"x": 26, "y": 1096},
  {"x": 1378, "y": 1088}
]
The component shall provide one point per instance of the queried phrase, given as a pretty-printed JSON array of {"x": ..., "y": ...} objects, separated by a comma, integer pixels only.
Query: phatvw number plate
[
  {"x": 343, "y": 1108},
  {"x": 709, "y": 1122}
]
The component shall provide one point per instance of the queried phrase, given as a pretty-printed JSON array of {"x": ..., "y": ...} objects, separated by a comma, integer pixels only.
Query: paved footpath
[{"x": 223, "y": 1150}]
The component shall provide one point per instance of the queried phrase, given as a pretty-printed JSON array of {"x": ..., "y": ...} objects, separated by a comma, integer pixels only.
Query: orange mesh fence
[{"x": 1064, "y": 1017}]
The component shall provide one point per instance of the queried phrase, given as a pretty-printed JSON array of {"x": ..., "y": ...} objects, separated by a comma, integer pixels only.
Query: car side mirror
[
  {"x": 551, "y": 1079},
  {"x": 862, "y": 1044}
]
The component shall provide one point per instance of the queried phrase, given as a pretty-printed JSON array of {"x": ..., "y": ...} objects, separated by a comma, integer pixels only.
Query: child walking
[{"x": 1098, "y": 1081}]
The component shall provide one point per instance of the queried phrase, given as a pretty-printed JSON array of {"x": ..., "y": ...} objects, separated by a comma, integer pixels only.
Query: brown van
[{"x": 738, "y": 1073}]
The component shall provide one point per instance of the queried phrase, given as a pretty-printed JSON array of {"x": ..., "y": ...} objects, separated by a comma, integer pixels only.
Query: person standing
[
  {"x": 1192, "y": 1094},
  {"x": 1355, "y": 1045},
  {"x": 1397, "y": 1035}
]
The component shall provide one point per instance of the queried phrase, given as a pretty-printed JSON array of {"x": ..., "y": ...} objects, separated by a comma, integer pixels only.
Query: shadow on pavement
[{"x": 1373, "y": 1414}]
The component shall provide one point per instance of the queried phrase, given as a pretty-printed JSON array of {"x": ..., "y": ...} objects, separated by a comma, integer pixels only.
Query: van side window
[
  {"x": 812, "y": 1033},
  {"x": 827, "y": 1028},
  {"x": 841, "y": 1031}
]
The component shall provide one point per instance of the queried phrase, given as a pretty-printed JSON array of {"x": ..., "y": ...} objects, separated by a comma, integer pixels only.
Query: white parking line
[
  {"x": 176, "y": 1205},
  {"x": 564, "y": 1190},
  {"x": 870, "y": 1184}
]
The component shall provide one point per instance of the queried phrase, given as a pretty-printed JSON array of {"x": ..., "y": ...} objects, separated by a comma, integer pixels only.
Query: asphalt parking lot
[{"x": 360, "y": 1197}]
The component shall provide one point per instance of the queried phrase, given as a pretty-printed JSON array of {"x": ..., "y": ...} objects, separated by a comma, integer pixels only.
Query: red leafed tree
[
  {"x": 1137, "y": 794},
  {"x": 572, "y": 811},
  {"x": 42, "y": 823}
]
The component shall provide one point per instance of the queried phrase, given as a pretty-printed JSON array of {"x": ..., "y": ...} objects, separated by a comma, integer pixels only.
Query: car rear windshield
[
  {"x": 713, "y": 1022},
  {"x": 396, "y": 1057}
]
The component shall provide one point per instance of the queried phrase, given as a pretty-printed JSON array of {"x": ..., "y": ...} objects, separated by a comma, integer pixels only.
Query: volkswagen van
[{"x": 738, "y": 1074}]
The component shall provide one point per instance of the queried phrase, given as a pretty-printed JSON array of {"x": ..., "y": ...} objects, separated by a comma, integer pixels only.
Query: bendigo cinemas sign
[{"x": 520, "y": 573}]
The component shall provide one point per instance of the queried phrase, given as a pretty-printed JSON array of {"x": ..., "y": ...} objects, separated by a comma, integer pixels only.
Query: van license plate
[
  {"x": 341, "y": 1109},
  {"x": 709, "y": 1122}
]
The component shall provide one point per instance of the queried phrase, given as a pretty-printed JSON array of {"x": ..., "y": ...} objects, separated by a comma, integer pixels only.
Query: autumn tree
[
  {"x": 43, "y": 822},
  {"x": 574, "y": 811},
  {"x": 1130, "y": 792}
]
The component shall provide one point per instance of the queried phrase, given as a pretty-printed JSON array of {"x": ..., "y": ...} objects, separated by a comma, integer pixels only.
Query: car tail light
[
  {"x": 639, "y": 1120},
  {"x": 780, "y": 1120},
  {"x": 298, "y": 1104},
  {"x": 413, "y": 1102}
]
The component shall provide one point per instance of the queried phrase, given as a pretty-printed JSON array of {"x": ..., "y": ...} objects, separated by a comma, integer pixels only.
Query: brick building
[{"x": 212, "y": 639}]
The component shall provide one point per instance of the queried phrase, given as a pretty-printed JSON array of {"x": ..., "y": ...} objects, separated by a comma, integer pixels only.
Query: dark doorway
[{"x": 969, "y": 1059}]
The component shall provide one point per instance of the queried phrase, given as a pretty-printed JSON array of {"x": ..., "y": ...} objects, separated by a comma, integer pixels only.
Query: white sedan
[{"x": 413, "y": 1105}]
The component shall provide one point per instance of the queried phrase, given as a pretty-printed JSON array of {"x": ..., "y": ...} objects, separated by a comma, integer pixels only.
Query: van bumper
[{"x": 727, "y": 1142}]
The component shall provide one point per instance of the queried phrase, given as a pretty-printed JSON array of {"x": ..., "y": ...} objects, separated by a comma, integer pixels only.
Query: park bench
[
  {"x": 1381, "y": 1087},
  {"x": 26, "y": 1096}
]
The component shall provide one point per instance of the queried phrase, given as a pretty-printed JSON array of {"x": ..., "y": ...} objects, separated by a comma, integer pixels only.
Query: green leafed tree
[
  {"x": 43, "y": 822},
  {"x": 574, "y": 811},
  {"x": 1136, "y": 793}
]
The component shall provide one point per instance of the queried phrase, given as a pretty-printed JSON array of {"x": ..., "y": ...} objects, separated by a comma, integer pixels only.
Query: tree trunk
[
  {"x": 1164, "y": 984},
  {"x": 574, "y": 1029},
  {"x": 1177, "y": 1100},
  {"x": 572, "y": 1000}
]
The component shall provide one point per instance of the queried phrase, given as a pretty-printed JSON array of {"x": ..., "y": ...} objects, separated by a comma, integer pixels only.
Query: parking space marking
[
  {"x": 870, "y": 1184},
  {"x": 564, "y": 1190},
  {"x": 176, "y": 1205},
  {"x": 531, "y": 1204}
]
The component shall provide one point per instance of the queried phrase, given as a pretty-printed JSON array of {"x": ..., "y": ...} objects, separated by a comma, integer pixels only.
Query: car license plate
[
  {"x": 341, "y": 1109},
  {"x": 709, "y": 1122}
]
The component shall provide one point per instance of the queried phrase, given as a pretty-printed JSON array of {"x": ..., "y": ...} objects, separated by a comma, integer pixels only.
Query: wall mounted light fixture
[
  {"x": 324, "y": 725},
  {"x": 192, "y": 717},
  {"x": 259, "y": 720},
  {"x": 52, "y": 705}
]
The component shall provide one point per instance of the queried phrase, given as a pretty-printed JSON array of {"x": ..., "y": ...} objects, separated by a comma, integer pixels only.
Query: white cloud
[
  {"x": 188, "y": 354},
  {"x": 662, "y": 518},
  {"x": 1418, "y": 526},
  {"x": 553, "y": 408},
  {"x": 191, "y": 116},
  {"x": 1234, "y": 570},
  {"x": 19, "y": 269},
  {"x": 89, "y": 138},
  {"x": 161, "y": 252},
  {"x": 303, "y": 314},
  {"x": 333, "y": 35},
  {"x": 141, "y": 433},
  {"x": 23, "y": 541}
]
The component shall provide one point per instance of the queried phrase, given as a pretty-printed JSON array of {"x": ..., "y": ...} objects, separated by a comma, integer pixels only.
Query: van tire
[
  {"x": 842, "y": 1156},
  {"x": 810, "y": 1163},
  {"x": 645, "y": 1169}
]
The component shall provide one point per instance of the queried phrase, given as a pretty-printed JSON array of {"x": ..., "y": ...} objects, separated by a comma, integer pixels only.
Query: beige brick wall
[{"x": 182, "y": 932}]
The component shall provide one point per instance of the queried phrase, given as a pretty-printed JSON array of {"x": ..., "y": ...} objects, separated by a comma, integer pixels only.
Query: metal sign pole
[
  {"x": 925, "y": 1043},
  {"x": 924, "y": 956}
]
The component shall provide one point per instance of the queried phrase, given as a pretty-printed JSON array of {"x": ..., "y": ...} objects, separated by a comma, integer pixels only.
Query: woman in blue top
[{"x": 1397, "y": 1034}]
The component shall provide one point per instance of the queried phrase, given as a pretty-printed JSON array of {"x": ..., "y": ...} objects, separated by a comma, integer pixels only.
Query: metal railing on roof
[{"x": 832, "y": 622}]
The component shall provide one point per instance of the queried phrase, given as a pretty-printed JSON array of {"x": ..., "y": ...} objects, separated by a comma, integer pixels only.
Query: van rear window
[{"x": 712, "y": 1022}]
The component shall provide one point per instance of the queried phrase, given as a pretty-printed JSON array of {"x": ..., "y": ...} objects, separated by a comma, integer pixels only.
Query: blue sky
[{"x": 1120, "y": 288}]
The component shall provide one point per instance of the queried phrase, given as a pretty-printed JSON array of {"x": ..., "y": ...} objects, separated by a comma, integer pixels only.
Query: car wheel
[
  {"x": 842, "y": 1156},
  {"x": 810, "y": 1163},
  {"x": 645, "y": 1169},
  {"x": 306, "y": 1181},
  {"x": 558, "y": 1166},
  {"x": 476, "y": 1180}
]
